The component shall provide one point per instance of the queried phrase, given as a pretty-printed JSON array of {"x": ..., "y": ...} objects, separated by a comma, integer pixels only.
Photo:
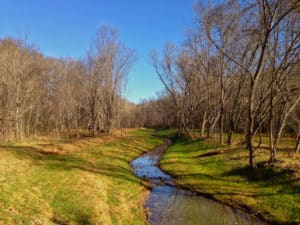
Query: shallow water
[{"x": 170, "y": 205}]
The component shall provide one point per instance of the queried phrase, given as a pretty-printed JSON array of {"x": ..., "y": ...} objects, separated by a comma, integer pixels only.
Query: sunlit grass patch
[
  {"x": 223, "y": 173},
  {"x": 90, "y": 182}
]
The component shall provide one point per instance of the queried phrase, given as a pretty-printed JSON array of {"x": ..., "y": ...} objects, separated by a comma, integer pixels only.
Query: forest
[
  {"x": 233, "y": 81},
  {"x": 236, "y": 72}
]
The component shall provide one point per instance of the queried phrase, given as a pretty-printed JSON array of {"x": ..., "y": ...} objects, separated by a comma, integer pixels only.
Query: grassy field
[
  {"x": 86, "y": 181},
  {"x": 223, "y": 173}
]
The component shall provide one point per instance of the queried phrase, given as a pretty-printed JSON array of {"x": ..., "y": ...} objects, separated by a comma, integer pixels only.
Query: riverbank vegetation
[
  {"x": 85, "y": 181},
  {"x": 237, "y": 72},
  {"x": 233, "y": 90},
  {"x": 220, "y": 172}
]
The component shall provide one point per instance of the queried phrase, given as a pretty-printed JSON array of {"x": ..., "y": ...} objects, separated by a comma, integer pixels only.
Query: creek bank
[
  {"x": 272, "y": 193},
  {"x": 170, "y": 204}
]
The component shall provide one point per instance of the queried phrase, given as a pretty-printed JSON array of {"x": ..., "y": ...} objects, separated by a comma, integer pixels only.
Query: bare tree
[
  {"x": 19, "y": 80},
  {"x": 256, "y": 22},
  {"x": 42, "y": 95},
  {"x": 108, "y": 62}
]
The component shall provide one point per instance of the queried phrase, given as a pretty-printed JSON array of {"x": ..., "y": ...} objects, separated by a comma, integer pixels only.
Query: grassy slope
[
  {"x": 89, "y": 183},
  {"x": 272, "y": 192}
]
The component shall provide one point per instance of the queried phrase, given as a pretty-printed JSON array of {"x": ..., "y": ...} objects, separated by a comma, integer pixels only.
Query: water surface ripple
[{"x": 170, "y": 205}]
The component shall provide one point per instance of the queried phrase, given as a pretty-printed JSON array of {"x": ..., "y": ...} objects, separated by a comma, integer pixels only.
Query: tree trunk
[
  {"x": 282, "y": 121},
  {"x": 271, "y": 135},
  {"x": 17, "y": 114},
  {"x": 209, "y": 130},
  {"x": 251, "y": 151},
  {"x": 273, "y": 154},
  {"x": 221, "y": 125},
  {"x": 221, "y": 107},
  {"x": 249, "y": 143},
  {"x": 229, "y": 136},
  {"x": 77, "y": 129},
  {"x": 231, "y": 127},
  {"x": 211, "y": 125},
  {"x": 250, "y": 125},
  {"x": 297, "y": 147},
  {"x": 203, "y": 124}
]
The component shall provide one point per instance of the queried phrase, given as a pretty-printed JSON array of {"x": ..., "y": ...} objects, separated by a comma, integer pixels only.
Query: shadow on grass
[
  {"x": 81, "y": 218},
  {"x": 222, "y": 186},
  {"x": 166, "y": 133},
  {"x": 103, "y": 160},
  {"x": 97, "y": 162},
  {"x": 262, "y": 173}
]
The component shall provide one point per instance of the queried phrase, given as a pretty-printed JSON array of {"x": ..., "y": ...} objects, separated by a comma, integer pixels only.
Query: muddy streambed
[{"x": 170, "y": 205}]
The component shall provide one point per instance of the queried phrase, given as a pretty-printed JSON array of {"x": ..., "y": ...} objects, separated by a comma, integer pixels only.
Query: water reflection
[{"x": 171, "y": 205}]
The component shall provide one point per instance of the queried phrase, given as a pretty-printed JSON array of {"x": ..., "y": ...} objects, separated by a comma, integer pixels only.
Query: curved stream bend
[{"x": 170, "y": 205}]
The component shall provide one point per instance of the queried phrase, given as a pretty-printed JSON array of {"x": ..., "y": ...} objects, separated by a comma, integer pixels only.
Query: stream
[{"x": 168, "y": 204}]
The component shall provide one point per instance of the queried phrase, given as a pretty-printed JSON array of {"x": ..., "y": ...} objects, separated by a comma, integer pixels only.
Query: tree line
[
  {"x": 238, "y": 71},
  {"x": 42, "y": 95}
]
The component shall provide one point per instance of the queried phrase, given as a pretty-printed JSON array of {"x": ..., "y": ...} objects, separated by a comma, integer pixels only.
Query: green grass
[
  {"x": 223, "y": 173},
  {"x": 89, "y": 181}
]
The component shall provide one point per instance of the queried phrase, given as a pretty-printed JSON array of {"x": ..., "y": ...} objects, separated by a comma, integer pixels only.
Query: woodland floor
[
  {"x": 86, "y": 181},
  {"x": 223, "y": 174}
]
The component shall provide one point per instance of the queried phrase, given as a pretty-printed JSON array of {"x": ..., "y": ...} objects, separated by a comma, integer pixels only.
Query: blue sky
[{"x": 65, "y": 28}]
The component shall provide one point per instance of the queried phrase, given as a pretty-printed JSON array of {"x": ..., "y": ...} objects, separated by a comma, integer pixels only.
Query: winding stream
[{"x": 170, "y": 205}]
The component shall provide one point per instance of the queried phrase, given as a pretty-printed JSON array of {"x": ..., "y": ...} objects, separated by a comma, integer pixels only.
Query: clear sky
[{"x": 65, "y": 28}]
